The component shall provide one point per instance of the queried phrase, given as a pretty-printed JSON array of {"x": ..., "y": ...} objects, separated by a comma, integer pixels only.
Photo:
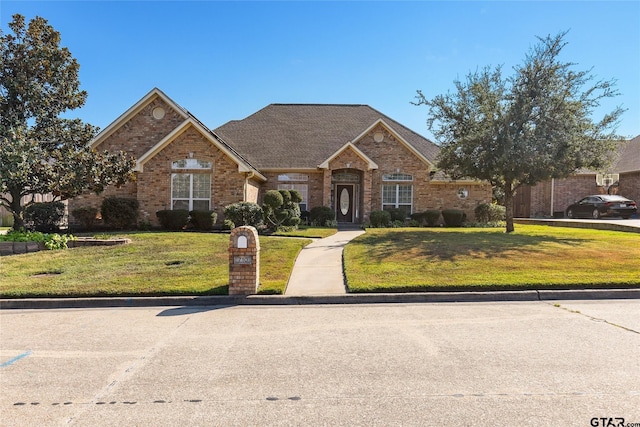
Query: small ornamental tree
[
  {"x": 524, "y": 129},
  {"x": 244, "y": 213},
  {"x": 40, "y": 152},
  {"x": 281, "y": 208}
]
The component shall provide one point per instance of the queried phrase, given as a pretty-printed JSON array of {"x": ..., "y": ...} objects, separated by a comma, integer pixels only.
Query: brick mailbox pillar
[{"x": 244, "y": 261}]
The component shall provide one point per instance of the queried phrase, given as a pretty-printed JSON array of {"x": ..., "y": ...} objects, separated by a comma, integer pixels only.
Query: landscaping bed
[{"x": 16, "y": 248}]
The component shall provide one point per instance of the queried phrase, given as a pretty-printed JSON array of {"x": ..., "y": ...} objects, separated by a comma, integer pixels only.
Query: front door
[{"x": 344, "y": 205}]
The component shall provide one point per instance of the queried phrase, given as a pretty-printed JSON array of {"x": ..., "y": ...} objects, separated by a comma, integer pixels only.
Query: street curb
[{"x": 279, "y": 300}]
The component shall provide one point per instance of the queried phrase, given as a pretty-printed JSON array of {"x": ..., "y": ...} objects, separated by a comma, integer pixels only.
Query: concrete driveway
[{"x": 451, "y": 364}]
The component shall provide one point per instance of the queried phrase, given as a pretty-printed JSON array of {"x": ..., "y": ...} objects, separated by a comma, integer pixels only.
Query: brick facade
[
  {"x": 152, "y": 186},
  {"x": 630, "y": 185},
  {"x": 392, "y": 156},
  {"x": 141, "y": 130}
]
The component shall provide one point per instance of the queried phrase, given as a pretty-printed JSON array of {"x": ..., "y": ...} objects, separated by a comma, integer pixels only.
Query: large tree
[
  {"x": 532, "y": 126},
  {"x": 40, "y": 151}
]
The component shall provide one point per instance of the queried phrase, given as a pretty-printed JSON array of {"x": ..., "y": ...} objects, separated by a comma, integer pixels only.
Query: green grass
[
  {"x": 153, "y": 264},
  {"x": 308, "y": 232},
  {"x": 533, "y": 257}
]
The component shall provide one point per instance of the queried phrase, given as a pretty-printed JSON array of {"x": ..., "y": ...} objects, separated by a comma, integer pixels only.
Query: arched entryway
[{"x": 346, "y": 195}]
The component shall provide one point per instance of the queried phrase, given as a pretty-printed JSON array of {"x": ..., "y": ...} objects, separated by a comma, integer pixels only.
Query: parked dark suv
[{"x": 602, "y": 205}]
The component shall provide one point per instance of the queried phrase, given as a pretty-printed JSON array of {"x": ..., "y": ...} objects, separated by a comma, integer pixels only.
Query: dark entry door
[{"x": 344, "y": 203}]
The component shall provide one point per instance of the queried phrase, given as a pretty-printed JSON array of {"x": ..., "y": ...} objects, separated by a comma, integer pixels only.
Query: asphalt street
[{"x": 540, "y": 363}]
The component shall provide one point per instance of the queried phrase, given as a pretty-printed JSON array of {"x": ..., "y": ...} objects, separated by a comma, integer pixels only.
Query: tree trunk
[
  {"x": 508, "y": 204},
  {"x": 16, "y": 210}
]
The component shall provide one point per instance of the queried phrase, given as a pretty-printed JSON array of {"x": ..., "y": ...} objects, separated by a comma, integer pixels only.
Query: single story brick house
[
  {"x": 551, "y": 198},
  {"x": 349, "y": 157}
]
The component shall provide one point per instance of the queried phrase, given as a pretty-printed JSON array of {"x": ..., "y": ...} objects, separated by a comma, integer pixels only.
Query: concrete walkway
[{"x": 318, "y": 268}]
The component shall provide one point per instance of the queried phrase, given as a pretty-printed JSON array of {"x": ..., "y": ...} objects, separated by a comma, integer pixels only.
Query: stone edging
[{"x": 16, "y": 248}]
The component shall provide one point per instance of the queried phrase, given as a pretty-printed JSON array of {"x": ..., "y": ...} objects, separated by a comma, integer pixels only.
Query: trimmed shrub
[
  {"x": 243, "y": 213},
  {"x": 305, "y": 217},
  {"x": 280, "y": 210},
  {"x": 432, "y": 216},
  {"x": 286, "y": 196},
  {"x": 296, "y": 196},
  {"x": 44, "y": 217},
  {"x": 397, "y": 214},
  {"x": 273, "y": 198},
  {"x": 427, "y": 218},
  {"x": 320, "y": 215},
  {"x": 86, "y": 216},
  {"x": 380, "y": 219},
  {"x": 203, "y": 220},
  {"x": 173, "y": 219},
  {"x": 489, "y": 212},
  {"x": 453, "y": 217},
  {"x": 120, "y": 213}
]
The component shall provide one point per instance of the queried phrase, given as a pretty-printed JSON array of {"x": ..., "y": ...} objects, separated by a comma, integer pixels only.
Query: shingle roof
[
  {"x": 304, "y": 135},
  {"x": 629, "y": 160}
]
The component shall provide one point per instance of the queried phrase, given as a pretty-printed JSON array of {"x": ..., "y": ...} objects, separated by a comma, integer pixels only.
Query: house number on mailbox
[{"x": 243, "y": 259}]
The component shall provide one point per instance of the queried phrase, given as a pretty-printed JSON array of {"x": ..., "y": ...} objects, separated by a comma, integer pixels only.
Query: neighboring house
[
  {"x": 349, "y": 157},
  {"x": 551, "y": 198},
  {"x": 6, "y": 217}
]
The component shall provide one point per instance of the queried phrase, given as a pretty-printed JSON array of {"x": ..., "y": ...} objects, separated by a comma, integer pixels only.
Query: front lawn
[
  {"x": 533, "y": 257},
  {"x": 308, "y": 231},
  {"x": 153, "y": 264}
]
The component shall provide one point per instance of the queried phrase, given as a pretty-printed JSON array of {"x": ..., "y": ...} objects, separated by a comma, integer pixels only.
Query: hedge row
[
  {"x": 180, "y": 219},
  {"x": 121, "y": 213},
  {"x": 428, "y": 218}
]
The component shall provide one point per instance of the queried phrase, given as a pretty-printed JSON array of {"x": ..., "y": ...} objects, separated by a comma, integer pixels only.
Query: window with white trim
[
  {"x": 191, "y": 164},
  {"x": 397, "y": 177},
  {"x": 287, "y": 177},
  {"x": 397, "y": 196},
  {"x": 191, "y": 191}
]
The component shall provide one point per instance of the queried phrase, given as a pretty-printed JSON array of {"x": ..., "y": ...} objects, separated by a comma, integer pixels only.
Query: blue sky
[{"x": 226, "y": 60}]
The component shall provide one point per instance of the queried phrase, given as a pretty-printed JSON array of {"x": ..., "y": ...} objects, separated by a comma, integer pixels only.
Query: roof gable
[
  {"x": 243, "y": 166},
  {"x": 135, "y": 109},
  {"x": 397, "y": 136},
  {"x": 349, "y": 146},
  {"x": 303, "y": 136}
]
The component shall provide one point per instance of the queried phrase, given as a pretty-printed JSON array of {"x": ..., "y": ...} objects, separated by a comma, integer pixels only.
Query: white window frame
[
  {"x": 293, "y": 177},
  {"x": 401, "y": 177},
  {"x": 396, "y": 193},
  {"x": 191, "y": 197},
  {"x": 191, "y": 164}
]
